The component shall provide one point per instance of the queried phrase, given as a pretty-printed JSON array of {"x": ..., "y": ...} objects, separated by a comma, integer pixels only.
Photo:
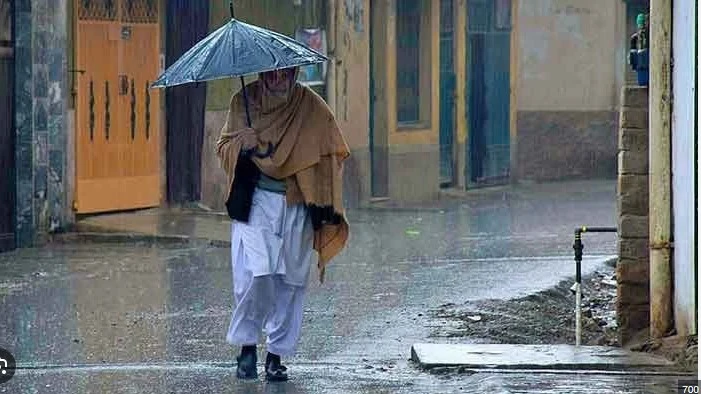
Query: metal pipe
[
  {"x": 245, "y": 101},
  {"x": 660, "y": 168},
  {"x": 578, "y": 314},
  {"x": 578, "y": 254},
  {"x": 598, "y": 229}
]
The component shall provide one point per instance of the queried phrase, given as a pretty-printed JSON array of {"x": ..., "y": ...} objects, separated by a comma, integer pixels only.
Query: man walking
[{"x": 286, "y": 207}]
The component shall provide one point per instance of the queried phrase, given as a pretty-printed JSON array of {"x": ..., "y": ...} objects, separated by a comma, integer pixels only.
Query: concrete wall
[
  {"x": 632, "y": 271},
  {"x": 569, "y": 69},
  {"x": 40, "y": 118},
  {"x": 352, "y": 43},
  {"x": 683, "y": 190}
]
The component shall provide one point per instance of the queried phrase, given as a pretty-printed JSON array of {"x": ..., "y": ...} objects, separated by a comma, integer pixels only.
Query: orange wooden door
[{"x": 118, "y": 133}]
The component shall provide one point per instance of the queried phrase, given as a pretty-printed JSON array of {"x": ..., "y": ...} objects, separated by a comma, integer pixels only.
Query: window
[
  {"x": 410, "y": 29},
  {"x": 5, "y": 27}
]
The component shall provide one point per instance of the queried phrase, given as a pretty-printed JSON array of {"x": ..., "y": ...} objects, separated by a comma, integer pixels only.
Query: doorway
[
  {"x": 447, "y": 94},
  {"x": 378, "y": 133},
  {"x": 118, "y": 149},
  {"x": 488, "y": 91}
]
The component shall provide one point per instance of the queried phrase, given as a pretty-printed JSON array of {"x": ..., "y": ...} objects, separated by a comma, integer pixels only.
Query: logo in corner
[{"x": 7, "y": 366}]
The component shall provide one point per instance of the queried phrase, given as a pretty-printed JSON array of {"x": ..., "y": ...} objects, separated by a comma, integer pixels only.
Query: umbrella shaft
[{"x": 245, "y": 101}]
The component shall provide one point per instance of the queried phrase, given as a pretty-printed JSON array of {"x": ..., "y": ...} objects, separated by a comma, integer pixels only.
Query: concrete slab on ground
[{"x": 535, "y": 357}]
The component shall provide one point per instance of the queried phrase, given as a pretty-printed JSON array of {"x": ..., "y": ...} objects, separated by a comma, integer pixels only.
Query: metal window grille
[
  {"x": 101, "y": 10},
  {"x": 5, "y": 24},
  {"x": 139, "y": 11}
]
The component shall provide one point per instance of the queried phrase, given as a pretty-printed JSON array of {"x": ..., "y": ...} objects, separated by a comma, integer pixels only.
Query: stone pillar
[
  {"x": 632, "y": 271},
  {"x": 40, "y": 114}
]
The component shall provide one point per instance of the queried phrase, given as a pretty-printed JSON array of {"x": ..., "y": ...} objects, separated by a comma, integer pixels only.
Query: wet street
[{"x": 143, "y": 318}]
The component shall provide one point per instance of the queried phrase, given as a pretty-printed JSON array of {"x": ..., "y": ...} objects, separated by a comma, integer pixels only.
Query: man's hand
[{"x": 249, "y": 139}]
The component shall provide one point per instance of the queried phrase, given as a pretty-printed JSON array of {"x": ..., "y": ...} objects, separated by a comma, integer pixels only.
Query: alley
[{"x": 143, "y": 318}]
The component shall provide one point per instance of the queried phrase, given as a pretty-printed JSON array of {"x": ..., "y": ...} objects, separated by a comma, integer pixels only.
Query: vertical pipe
[
  {"x": 578, "y": 253},
  {"x": 660, "y": 172},
  {"x": 578, "y": 315},
  {"x": 245, "y": 101}
]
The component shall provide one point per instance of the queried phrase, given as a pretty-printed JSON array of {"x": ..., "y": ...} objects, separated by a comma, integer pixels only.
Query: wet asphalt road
[{"x": 139, "y": 318}]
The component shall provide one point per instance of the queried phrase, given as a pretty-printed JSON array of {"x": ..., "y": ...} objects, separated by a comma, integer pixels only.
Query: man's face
[{"x": 279, "y": 81}]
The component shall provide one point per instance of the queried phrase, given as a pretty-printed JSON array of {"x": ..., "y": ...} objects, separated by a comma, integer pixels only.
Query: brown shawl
[{"x": 309, "y": 154}]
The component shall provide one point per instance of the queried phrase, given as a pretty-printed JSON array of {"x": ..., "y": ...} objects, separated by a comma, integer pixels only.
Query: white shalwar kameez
[{"x": 271, "y": 259}]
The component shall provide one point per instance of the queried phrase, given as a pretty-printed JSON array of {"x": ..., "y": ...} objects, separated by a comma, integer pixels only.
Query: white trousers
[{"x": 271, "y": 259}]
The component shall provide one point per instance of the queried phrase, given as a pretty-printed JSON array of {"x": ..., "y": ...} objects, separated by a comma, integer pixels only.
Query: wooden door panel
[
  {"x": 118, "y": 139},
  {"x": 96, "y": 120},
  {"x": 143, "y": 125}
]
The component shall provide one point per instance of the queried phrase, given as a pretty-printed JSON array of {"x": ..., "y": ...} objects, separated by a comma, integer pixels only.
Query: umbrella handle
[{"x": 231, "y": 8}]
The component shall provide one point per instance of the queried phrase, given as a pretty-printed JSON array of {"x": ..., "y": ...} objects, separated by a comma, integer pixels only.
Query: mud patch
[
  {"x": 683, "y": 351},
  {"x": 546, "y": 317}
]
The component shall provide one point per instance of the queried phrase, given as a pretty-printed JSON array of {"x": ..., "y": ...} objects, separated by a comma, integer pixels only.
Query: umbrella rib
[{"x": 214, "y": 51}]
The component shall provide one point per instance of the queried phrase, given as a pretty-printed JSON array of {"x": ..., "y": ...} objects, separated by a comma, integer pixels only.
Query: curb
[
  {"x": 118, "y": 237},
  {"x": 429, "y": 356}
]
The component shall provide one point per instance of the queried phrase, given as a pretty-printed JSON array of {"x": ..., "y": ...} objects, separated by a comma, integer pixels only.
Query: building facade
[
  {"x": 571, "y": 67},
  {"x": 398, "y": 83},
  {"x": 429, "y": 95},
  {"x": 81, "y": 131}
]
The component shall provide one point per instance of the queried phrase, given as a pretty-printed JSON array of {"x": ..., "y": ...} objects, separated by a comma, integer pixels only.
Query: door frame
[
  {"x": 157, "y": 114},
  {"x": 378, "y": 132},
  {"x": 8, "y": 241},
  {"x": 496, "y": 180},
  {"x": 455, "y": 7}
]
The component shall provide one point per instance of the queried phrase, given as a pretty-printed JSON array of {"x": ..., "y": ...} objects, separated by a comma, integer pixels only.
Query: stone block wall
[
  {"x": 632, "y": 270},
  {"x": 40, "y": 117}
]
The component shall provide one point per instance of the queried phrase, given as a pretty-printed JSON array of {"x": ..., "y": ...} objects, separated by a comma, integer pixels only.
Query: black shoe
[
  {"x": 274, "y": 370},
  {"x": 246, "y": 368}
]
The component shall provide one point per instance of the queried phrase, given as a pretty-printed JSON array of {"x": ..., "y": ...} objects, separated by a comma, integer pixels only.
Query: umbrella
[{"x": 234, "y": 50}]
